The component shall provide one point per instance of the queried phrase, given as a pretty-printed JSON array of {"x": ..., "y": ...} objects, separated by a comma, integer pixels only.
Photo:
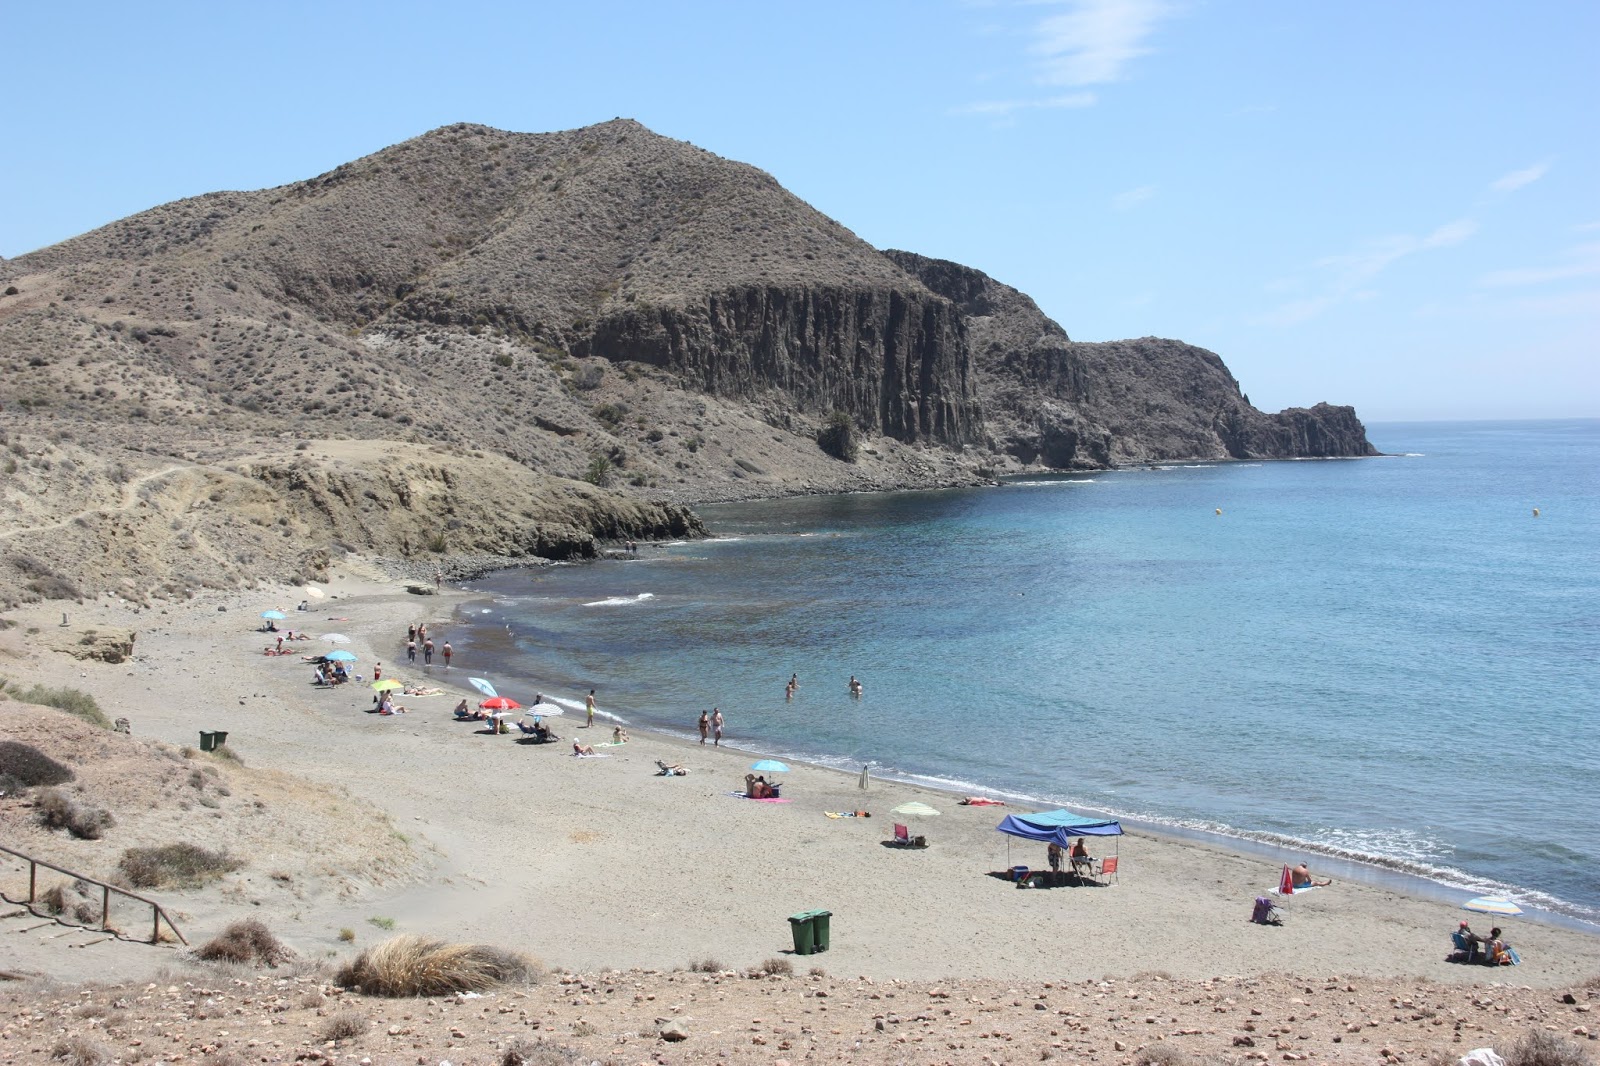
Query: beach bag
[{"x": 1265, "y": 913}]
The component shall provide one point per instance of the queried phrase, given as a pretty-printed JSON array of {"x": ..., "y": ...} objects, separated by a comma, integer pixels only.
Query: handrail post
[
  {"x": 105, "y": 906},
  {"x": 33, "y": 880}
]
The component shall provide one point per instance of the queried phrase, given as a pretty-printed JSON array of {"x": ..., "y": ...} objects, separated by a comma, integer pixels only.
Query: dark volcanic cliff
[{"x": 1065, "y": 403}]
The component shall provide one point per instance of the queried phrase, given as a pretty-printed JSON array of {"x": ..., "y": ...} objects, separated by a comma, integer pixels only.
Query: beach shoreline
[{"x": 595, "y": 864}]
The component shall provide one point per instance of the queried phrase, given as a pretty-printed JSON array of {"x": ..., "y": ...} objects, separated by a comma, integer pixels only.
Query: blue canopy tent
[{"x": 1055, "y": 827}]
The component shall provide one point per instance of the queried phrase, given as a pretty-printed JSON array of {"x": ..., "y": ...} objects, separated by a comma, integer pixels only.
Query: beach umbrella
[
  {"x": 388, "y": 684},
  {"x": 915, "y": 810},
  {"x": 770, "y": 766},
  {"x": 482, "y": 686},
  {"x": 276, "y": 616},
  {"x": 336, "y": 638},
  {"x": 500, "y": 703},
  {"x": 1492, "y": 905},
  {"x": 340, "y": 656},
  {"x": 544, "y": 710}
]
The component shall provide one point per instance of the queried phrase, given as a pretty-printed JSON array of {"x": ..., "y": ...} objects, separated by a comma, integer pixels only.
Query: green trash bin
[
  {"x": 208, "y": 740},
  {"x": 803, "y": 926},
  {"x": 219, "y": 738},
  {"x": 819, "y": 922}
]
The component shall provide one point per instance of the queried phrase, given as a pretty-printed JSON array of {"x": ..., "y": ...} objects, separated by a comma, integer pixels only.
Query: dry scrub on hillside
[{"x": 248, "y": 942}]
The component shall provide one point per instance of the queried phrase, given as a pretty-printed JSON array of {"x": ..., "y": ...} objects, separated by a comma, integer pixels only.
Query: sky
[{"x": 1391, "y": 205}]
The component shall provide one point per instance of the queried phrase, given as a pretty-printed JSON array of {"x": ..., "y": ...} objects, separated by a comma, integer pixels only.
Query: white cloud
[
  {"x": 1093, "y": 41},
  {"x": 1123, "y": 201},
  {"x": 1347, "y": 277},
  {"x": 1083, "y": 43},
  {"x": 1582, "y": 261},
  {"x": 1518, "y": 179},
  {"x": 1002, "y": 108}
]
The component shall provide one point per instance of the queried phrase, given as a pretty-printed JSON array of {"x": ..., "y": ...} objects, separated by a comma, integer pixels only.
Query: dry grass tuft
[
  {"x": 248, "y": 942},
  {"x": 57, "y": 810},
  {"x": 1540, "y": 1047},
  {"x": 776, "y": 966},
  {"x": 537, "y": 1053},
  {"x": 80, "y": 1051},
  {"x": 346, "y": 1025},
  {"x": 410, "y": 965},
  {"x": 706, "y": 965},
  {"x": 183, "y": 865},
  {"x": 1163, "y": 1055}
]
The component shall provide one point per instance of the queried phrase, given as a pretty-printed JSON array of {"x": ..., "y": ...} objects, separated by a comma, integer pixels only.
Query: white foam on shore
[
  {"x": 621, "y": 601},
  {"x": 1051, "y": 481}
]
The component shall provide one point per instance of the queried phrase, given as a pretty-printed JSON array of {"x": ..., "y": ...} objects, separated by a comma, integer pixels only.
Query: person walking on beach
[
  {"x": 427, "y": 652},
  {"x": 411, "y": 633},
  {"x": 411, "y": 649},
  {"x": 588, "y": 707},
  {"x": 716, "y": 728},
  {"x": 377, "y": 672},
  {"x": 705, "y": 726},
  {"x": 446, "y": 655}
]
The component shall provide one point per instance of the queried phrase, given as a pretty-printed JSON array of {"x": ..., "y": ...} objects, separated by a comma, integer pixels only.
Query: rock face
[
  {"x": 1069, "y": 404},
  {"x": 894, "y": 358}
]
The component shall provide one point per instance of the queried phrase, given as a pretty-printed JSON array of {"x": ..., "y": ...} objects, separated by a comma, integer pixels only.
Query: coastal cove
[{"x": 1379, "y": 662}]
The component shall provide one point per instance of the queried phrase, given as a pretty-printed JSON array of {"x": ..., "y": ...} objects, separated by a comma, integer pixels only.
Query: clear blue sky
[{"x": 1390, "y": 203}]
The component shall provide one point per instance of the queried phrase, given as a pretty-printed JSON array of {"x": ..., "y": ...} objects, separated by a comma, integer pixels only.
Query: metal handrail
[{"x": 105, "y": 897}]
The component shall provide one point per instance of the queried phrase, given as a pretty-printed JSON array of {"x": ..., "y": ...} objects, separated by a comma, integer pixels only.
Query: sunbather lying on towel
[
  {"x": 582, "y": 749},
  {"x": 671, "y": 769}
]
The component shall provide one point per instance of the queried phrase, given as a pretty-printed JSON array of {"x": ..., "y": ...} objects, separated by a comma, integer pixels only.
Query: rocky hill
[{"x": 599, "y": 305}]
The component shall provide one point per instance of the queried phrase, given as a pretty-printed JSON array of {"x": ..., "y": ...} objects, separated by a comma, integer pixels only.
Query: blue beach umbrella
[
  {"x": 770, "y": 766},
  {"x": 482, "y": 686},
  {"x": 341, "y": 656},
  {"x": 276, "y": 616}
]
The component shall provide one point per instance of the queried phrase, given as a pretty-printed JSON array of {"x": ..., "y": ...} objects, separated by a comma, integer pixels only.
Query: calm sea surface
[{"x": 1389, "y": 660}]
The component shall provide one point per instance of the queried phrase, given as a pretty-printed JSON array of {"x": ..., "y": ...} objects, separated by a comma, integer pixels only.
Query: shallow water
[{"x": 1390, "y": 660}]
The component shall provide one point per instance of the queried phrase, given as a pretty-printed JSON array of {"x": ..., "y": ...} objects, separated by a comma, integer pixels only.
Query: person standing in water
[
  {"x": 855, "y": 687},
  {"x": 588, "y": 706}
]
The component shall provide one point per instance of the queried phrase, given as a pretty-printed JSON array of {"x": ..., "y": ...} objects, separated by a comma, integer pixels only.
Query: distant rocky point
[{"x": 602, "y": 305}]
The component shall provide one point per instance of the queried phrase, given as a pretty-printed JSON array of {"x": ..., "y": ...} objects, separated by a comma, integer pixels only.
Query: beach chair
[
  {"x": 902, "y": 835},
  {"x": 1108, "y": 868},
  {"x": 527, "y": 730}
]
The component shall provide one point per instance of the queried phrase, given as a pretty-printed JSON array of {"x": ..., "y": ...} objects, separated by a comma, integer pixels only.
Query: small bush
[
  {"x": 599, "y": 472},
  {"x": 838, "y": 438},
  {"x": 31, "y": 767},
  {"x": 1162, "y": 1055},
  {"x": 381, "y": 922},
  {"x": 346, "y": 1025},
  {"x": 347, "y": 935},
  {"x": 707, "y": 965},
  {"x": 80, "y": 1051},
  {"x": 54, "y": 900},
  {"x": 58, "y": 811},
  {"x": 1540, "y": 1047},
  {"x": 422, "y": 966},
  {"x": 537, "y": 1053},
  {"x": 778, "y": 966},
  {"x": 70, "y": 700},
  {"x": 248, "y": 942},
  {"x": 182, "y": 865},
  {"x": 611, "y": 414}
]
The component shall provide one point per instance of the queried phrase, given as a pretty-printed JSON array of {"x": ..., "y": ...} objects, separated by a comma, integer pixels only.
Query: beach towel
[
  {"x": 589, "y": 755},
  {"x": 848, "y": 814}
]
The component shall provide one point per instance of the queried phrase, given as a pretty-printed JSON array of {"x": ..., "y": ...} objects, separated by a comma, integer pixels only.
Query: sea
[{"x": 1389, "y": 666}]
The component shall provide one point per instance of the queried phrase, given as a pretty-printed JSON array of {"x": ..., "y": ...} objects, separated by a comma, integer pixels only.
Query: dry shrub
[
  {"x": 30, "y": 766},
  {"x": 1540, "y": 1047},
  {"x": 80, "y": 1051},
  {"x": 776, "y": 965},
  {"x": 706, "y": 965},
  {"x": 537, "y": 1053},
  {"x": 57, "y": 810},
  {"x": 73, "y": 701},
  {"x": 183, "y": 865},
  {"x": 346, "y": 1025},
  {"x": 1163, "y": 1055},
  {"x": 410, "y": 965},
  {"x": 248, "y": 942},
  {"x": 53, "y": 901}
]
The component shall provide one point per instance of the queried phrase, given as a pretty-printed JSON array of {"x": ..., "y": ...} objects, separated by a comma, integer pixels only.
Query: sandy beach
[{"x": 591, "y": 863}]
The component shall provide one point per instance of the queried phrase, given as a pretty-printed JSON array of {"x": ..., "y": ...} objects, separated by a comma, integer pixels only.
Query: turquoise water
[{"x": 1389, "y": 660}]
